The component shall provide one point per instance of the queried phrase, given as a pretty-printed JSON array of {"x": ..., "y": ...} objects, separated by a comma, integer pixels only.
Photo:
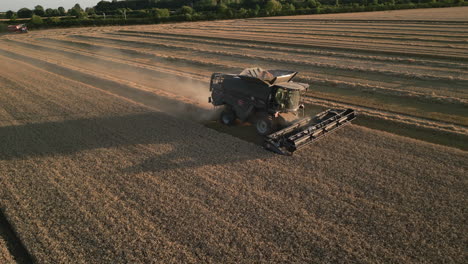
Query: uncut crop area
[{"x": 105, "y": 155}]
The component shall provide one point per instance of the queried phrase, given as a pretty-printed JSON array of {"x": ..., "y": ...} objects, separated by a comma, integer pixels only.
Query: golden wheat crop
[{"x": 103, "y": 160}]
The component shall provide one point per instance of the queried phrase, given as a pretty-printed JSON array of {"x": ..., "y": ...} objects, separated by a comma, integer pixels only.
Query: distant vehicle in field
[
  {"x": 272, "y": 100},
  {"x": 21, "y": 28}
]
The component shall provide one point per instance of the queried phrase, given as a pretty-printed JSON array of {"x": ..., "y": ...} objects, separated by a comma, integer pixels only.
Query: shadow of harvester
[{"x": 191, "y": 144}]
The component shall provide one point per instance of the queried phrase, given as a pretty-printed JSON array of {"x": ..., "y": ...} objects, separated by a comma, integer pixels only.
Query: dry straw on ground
[
  {"x": 92, "y": 177},
  {"x": 415, "y": 68},
  {"x": 93, "y": 170},
  {"x": 5, "y": 255}
]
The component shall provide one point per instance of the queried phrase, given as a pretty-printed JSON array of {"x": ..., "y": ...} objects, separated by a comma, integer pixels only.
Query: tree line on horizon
[{"x": 155, "y": 11}]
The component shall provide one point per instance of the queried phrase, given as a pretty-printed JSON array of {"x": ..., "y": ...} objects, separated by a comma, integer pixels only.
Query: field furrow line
[
  {"x": 377, "y": 23},
  {"x": 37, "y": 241},
  {"x": 384, "y": 90},
  {"x": 5, "y": 256},
  {"x": 334, "y": 83},
  {"x": 160, "y": 99},
  {"x": 49, "y": 102},
  {"x": 372, "y": 21},
  {"x": 302, "y": 51},
  {"x": 93, "y": 48},
  {"x": 321, "y": 65},
  {"x": 448, "y": 127},
  {"x": 342, "y": 84},
  {"x": 110, "y": 152},
  {"x": 52, "y": 104},
  {"x": 392, "y": 29},
  {"x": 328, "y": 46},
  {"x": 422, "y": 95},
  {"x": 80, "y": 191},
  {"x": 351, "y": 36},
  {"x": 220, "y": 188},
  {"x": 397, "y": 117},
  {"x": 451, "y": 50},
  {"x": 322, "y": 198}
]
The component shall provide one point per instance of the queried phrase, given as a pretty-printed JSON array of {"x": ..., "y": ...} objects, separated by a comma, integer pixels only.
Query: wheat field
[{"x": 105, "y": 158}]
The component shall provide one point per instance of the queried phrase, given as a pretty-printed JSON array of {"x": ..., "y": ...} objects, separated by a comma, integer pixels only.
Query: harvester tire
[
  {"x": 265, "y": 124},
  {"x": 227, "y": 117}
]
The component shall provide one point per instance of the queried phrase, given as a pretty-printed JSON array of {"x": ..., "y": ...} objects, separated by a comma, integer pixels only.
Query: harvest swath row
[
  {"x": 103, "y": 157},
  {"x": 391, "y": 70}
]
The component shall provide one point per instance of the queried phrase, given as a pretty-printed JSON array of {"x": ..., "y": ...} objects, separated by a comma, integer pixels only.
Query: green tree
[
  {"x": 204, "y": 4},
  {"x": 61, "y": 11},
  {"x": 222, "y": 8},
  {"x": 49, "y": 12},
  {"x": 9, "y": 14},
  {"x": 313, "y": 3},
  {"x": 272, "y": 7},
  {"x": 288, "y": 7},
  {"x": 77, "y": 12},
  {"x": 160, "y": 13},
  {"x": 39, "y": 10},
  {"x": 251, "y": 3},
  {"x": 77, "y": 7},
  {"x": 242, "y": 12},
  {"x": 53, "y": 20},
  {"x": 90, "y": 11},
  {"x": 186, "y": 10},
  {"x": 36, "y": 20},
  {"x": 25, "y": 13},
  {"x": 55, "y": 12}
]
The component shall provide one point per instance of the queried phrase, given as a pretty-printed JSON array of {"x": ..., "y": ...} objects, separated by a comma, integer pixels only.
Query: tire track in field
[
  {"x": 131, "y": 190},
  {"x": 301, "y": 51},
  {"x": 326, "y": 81},
  {"x": 448, "y": 127},
  {"x": 315, "y": 224},
  {"x": 175, "y": 104},
  {"x": 342, "y": 70},
  {"x": 391, "y": 29},
  {"x": 173, "y": 85},
  {"x": 348, "y": 36},
  {"x": 386, "y": 115},
  {"x": 11, "y": 249},
  {"x": 373, "y": 21},
  {"x": 427, "y": 126},
  {"x": 336, "y": 66},
  {"x": 302, "y": 54},
  {"x": 361, "y": 87},
  {"x": 445, "y": 32},
  {"x": 451, "y": 50},
  {"x": 292, "y": 43}
]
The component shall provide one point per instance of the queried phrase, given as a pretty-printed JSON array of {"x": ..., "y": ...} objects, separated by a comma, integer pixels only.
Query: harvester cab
[{"x": 273, "y": 102}]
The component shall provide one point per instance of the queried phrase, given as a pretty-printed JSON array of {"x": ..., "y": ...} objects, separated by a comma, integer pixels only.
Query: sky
[{"x": 14, "y": 5}]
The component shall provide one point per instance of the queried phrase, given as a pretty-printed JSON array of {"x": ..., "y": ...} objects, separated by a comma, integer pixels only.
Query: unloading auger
[{"x": 273, "y": 101}]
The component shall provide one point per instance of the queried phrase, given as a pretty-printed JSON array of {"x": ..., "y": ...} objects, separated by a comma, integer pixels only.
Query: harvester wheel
[
  {"x": 228, "y": 117},
  {"x": 265, "y": 124}
]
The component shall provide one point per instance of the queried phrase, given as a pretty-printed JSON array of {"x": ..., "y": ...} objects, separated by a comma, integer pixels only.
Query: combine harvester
[{"x": 273, "y": 101}]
